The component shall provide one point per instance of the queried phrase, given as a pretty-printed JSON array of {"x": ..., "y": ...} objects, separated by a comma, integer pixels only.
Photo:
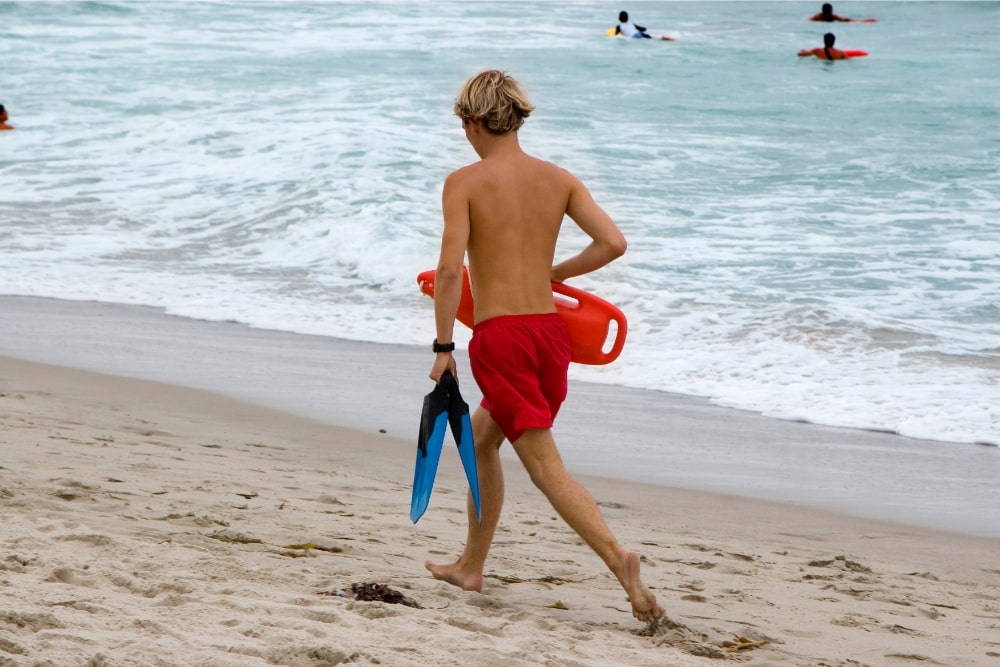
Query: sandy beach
[{"x": 152, "y": 523}]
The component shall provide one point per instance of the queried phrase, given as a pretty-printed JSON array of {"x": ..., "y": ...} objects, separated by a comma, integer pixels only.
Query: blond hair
[{"x": 496, "y": 99}]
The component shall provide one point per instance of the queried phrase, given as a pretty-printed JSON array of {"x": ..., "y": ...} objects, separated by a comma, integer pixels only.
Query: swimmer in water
[
  {"x": 827, "y": 52},
  {"x": 827, "y": 16},
  {"x": 627, "y": 29},
  {"x": 3, "y": 119}
]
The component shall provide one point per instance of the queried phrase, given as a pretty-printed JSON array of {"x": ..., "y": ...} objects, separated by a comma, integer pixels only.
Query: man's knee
[
  {"x": 487, "y": 433},
  {"x": 537, "y": 451}
]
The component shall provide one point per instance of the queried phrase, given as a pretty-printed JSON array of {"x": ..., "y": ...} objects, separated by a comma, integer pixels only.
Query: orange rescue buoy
[{"x": 597, "y": 328}]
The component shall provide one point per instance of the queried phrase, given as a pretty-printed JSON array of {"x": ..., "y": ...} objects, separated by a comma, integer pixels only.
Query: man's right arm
[
  {"x": 448, "y": 275},
  {"x": 607, "y": 242}
]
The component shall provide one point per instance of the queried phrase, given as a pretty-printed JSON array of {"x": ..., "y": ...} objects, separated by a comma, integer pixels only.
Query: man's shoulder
[
  {"x": 463, "y": 173},
  {"x": 549, "y": 166}
]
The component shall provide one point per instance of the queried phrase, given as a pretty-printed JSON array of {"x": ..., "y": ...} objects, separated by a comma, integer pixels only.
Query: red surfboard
[{"x": 597, "y": 328}]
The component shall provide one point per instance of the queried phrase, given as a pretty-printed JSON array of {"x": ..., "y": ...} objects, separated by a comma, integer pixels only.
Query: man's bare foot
[
  {"x": 644, "y": 606},
  {"x": 453, "y": 574}
]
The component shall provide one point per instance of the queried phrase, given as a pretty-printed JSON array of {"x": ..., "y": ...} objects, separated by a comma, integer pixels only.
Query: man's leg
[
  {"x": 538, "y": 453},
  {"x": 467, "y": 571}
]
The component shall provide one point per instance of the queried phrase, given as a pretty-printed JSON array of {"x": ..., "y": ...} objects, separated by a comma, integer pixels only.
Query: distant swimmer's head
[
  {"x": 828, "y": 39},
  {"x": 623, "y": 17},
  {"x": 827, "y": 9},
  {"x": 496, "y": 99}
]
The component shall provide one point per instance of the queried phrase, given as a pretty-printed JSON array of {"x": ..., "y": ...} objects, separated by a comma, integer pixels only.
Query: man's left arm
[{"x": 607, "y": 242}]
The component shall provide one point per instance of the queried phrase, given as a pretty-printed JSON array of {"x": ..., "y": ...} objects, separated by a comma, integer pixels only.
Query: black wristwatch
[{"x": 443, "y": 347}]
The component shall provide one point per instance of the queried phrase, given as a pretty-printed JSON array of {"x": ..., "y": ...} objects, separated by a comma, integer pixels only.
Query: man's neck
[{"x": 498, "y": 145}]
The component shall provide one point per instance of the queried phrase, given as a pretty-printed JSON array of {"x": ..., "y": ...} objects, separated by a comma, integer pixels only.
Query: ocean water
[{"x": 814, "y": 241}]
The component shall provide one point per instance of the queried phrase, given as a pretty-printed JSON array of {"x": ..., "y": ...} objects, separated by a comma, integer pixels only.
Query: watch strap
[{"x": 443, "y": 347}]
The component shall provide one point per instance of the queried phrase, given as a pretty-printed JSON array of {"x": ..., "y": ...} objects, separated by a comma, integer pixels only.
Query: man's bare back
[
  {"x": 516, "y": 207},
  {"x": 512, "y": 206}
]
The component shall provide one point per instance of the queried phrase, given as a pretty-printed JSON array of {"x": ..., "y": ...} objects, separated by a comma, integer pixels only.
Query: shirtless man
[
  {"x": 827, "y": 52},
  {"x": 505, "y": 211},
  {"x": 3, "y": 119}
]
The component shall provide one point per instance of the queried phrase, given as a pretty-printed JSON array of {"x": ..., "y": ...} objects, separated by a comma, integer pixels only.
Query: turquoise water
[{"x": 811, "y": 240}]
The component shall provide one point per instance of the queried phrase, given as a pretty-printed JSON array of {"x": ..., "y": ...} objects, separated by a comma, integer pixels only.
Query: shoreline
[{"x": 660, "y": 439}]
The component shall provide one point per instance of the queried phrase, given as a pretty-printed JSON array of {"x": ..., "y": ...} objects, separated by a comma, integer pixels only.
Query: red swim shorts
[{"x": 520, "y": 364}]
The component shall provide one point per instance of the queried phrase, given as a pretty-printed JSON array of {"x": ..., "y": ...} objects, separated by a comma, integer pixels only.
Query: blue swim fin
[
  {"x": 461, "y": 429},
  {"x": 443, "y": 406},
  {"x": 433, "y": 425}
]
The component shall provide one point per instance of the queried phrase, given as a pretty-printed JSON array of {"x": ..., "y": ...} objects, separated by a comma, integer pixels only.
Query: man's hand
[{"x": 444, "y": 361}]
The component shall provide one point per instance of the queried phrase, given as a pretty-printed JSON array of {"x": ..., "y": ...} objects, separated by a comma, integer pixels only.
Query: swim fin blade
[
  {"x": 433, "y": 425},
  {"x": 461, "y": 429}
]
